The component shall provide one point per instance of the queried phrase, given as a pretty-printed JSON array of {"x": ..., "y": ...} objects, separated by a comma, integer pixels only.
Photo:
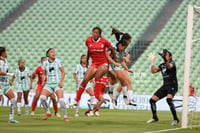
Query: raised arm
[
  {"x": 113, "y": 53},
  {"x": 124, "y": 65}
]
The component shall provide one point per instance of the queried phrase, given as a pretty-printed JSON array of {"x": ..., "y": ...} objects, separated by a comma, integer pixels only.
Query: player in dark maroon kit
[
  {"x": 38, "y": 72},
  {"x": 97, "y": 51}
]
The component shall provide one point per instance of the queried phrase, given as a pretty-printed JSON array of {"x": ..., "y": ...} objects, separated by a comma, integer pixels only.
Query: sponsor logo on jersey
[
  {"x": 51, "y": 69},
  {"x": 22, "y": 77},
  {"x": 97, "y": 50}
]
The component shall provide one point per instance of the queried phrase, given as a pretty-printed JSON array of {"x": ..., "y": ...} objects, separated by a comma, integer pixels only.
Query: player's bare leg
[
  {"x": 122, "y": 80},
  {"x": 34, "y": 104},
  {"x": 43, "y": 97},
  {"x": 90, "y": 73},
  {"x": 129, "y": 88},
  {"x": 19, "y": 99},
  {"x": 26, "y": 102},
  {"x": 113, "y": 78},
  {"x": 60, "y": 96},
  {"x": 96, "y": 107},
  {"x": 55, "y": 106},
  {"x": 11, "y": 96}
]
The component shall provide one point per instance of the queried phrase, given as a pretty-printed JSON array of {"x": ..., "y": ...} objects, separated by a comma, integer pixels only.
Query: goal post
[{"x": 187, "y": 70}]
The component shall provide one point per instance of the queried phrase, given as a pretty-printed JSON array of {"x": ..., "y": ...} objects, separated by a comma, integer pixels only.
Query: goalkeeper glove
[
  {"x": 163, "y": 54},
  {"x": 152, "y": 58}
]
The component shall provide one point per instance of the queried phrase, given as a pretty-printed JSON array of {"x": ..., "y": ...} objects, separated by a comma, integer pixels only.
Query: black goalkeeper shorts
[{"x": 164, "y": 90}]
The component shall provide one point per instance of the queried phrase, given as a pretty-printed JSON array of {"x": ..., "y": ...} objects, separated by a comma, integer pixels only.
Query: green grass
[{"x": 110, "y": 121}]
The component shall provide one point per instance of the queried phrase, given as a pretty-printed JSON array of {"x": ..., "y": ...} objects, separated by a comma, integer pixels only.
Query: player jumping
[{"x": 97, "y": 51}]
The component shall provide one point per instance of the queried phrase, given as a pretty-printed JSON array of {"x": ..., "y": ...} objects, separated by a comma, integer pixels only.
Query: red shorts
[
  {"x": 39, "y": 88},
  {"x": 98, "y": 65}
]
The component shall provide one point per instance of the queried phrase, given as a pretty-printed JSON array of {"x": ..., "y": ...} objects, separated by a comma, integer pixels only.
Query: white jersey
[
  {"x": 53, "y": 70},
  {"x": 80, "y": 71},
  {"x": 23, "y": 77},
  {"x": 4, "y": 68}
]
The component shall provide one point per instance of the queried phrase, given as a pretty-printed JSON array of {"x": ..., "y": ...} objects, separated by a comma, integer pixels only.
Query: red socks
[
  {"x": 34, "y": 104},
  {"x": 80, "y": 92},
  {"x": 55, "y": 106}
]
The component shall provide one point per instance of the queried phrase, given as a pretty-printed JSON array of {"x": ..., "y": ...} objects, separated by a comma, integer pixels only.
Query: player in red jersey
[
  {"x": 97, "y": 51},
  {"x": 99, "y": 96},
  {"x": 38, "y": 72}
]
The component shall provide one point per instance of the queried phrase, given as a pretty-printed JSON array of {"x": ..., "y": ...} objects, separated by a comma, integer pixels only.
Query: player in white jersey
[
  {"x": 121, "y": 72},
  {"x": 79, "y": 72},
  {"x": 23, "y": 74},
  {"x": 6, "y": 89},
  {"x": 54, "y": 83}
]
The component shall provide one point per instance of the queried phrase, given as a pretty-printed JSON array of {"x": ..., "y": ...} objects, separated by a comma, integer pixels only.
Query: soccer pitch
[{"x": 110, "y": 121}]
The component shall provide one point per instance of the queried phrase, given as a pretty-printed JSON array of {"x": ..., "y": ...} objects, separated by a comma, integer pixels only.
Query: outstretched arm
[{"x": 110, "y": 59}]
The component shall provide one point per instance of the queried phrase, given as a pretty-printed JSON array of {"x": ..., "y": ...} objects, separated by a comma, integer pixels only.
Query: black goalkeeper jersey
[{"x": 169, "y": 75}]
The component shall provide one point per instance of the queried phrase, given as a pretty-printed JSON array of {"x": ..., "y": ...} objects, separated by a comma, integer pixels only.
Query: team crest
[{"x": 102, "y": 45}]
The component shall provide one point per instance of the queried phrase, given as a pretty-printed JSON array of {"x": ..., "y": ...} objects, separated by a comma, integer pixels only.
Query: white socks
[
  {"x": 19, "y": 107},
  {"x": 124, "y": 89},
  {"x": 63, "y": 107},
  {"x": 44, "y": 103},
  {"x": 12, "y": 108},
  {"x": 117, "y": 95},
  {"x": 130, "y": 95}
]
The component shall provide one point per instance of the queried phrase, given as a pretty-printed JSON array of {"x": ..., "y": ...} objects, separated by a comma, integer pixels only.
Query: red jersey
[
  {"x": 38, "y": 72},
  {"x": 191, "y": 91},
  {"x": 97, "y": 50}
]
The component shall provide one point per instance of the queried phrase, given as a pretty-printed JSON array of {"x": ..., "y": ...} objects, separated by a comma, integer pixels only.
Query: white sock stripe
[
  {"x": 13, "y": 100},
  {"x": 61, "y": 99},
  {"x": 43, "y": 97}
]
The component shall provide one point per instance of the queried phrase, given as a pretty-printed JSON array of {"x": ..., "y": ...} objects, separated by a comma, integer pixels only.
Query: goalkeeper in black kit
[{"x": 169, "y": 87}]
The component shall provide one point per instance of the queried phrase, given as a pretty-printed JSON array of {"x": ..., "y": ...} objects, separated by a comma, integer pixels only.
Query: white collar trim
[{"x": 97, "y": 40}]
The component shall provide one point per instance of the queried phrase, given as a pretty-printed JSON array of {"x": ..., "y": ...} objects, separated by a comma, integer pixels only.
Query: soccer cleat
[
  {"x": 19, "y": 113},
  {"x": 132, "y": 103},
  {"x": 32, "y": 113},
  {"x": 57, "y": 114},
  {"x": 89, "y": 114},
  {"x": 175, "y": 122},
  {"x": 13, "y": 121},
  {"x": 97, "y": 113},
  {"x": 66, "y": 119},
  {"x": 152, "y": 120},
  {"x": 74, "y": 103},
  {"x": 76, "y": 115},
  {"x": 125, "y": 99},
  {"x": 26, "y": 113},
  {"x": 47, "y": 116},
  {"x": 114, "y": 103}
]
